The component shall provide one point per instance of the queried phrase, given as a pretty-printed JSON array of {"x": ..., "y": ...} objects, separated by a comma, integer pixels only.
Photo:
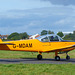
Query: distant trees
[
  {"x": 50, "y": 32},
  {"x": 44, "y": 32},
  {"x": 70, "y": 36},
  {"x": 17, "y": 36},
  {"x": 23, "y": 35},
  {"x": 60, "y": 34},
  {"x": 73, "y": 32}
]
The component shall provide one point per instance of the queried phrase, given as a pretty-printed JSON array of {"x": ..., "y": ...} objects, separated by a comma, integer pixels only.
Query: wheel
[
  {"x": 57, "y": 58},
  {"x": 39, "y": 57},
  {"x": 67, "y": 57}
]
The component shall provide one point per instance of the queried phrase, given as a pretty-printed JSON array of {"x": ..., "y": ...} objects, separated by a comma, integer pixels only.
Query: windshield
[{"x": 45, "y": 39}]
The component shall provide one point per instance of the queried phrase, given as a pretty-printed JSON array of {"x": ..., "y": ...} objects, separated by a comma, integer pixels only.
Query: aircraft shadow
[
  {"x": 34, "y": 60},
  {"x": 64, "y": 60}
]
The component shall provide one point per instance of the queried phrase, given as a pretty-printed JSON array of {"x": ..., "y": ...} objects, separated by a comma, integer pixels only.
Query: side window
[
  {"x": 56, "y": 38},
  {"x": 53, "y": 38},
  {"x": 45, "y": 39}
]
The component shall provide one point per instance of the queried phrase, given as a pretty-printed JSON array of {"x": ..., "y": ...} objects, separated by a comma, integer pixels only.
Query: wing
[{"x": 67, "y": 48}]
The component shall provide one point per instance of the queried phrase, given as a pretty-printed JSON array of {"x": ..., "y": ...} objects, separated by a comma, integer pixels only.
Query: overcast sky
[
  {"x": 22, "y": 4},
  {"x": 33, "y": 16}
]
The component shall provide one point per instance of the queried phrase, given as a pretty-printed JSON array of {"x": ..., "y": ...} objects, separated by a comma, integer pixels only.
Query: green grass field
[{"x": 35, "y": 69}]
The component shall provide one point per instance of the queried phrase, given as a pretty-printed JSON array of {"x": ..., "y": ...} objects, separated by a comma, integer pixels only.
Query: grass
[
  {"x": 37, "y": 69},
  {"x": 19, "y": 55}
]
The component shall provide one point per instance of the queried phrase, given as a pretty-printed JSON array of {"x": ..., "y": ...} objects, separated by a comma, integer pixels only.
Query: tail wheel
[
  {"x": 57, "y": 58},
  {"x": 67, "y": 57},
  {"x": 39, "y": 57}
]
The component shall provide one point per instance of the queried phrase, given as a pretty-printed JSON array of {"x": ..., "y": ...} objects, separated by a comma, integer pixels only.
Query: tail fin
[{"x": 0, "y": 40}]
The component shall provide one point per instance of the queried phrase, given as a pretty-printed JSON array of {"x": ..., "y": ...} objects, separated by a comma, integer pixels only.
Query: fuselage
[{"x": 34, "y": 45}]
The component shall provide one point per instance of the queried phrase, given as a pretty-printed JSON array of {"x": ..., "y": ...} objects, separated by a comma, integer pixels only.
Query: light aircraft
[{"x": 46, "y": 43}]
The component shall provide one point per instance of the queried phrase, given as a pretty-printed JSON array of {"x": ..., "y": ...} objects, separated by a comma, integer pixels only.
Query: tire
[
  {"x": 57, "y": 58},
  {"x": 39, "y": 57},
  {"x": 67, "y": 57}
]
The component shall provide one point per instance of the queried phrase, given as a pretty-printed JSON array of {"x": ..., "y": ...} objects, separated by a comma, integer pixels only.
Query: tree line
[
  {"x": 18, "y": 36},
  {"x": 70, "y": 36}
]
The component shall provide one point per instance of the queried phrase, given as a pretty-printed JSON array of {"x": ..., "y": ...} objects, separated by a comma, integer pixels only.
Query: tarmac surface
[{"x": 35, "y": 61}]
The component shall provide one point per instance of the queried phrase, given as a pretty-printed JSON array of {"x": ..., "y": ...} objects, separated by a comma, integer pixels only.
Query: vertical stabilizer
[{"x": 0, "y": 40}]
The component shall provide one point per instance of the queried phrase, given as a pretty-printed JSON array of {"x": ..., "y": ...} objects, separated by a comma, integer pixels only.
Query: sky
[{"x": 33, "y": 16}]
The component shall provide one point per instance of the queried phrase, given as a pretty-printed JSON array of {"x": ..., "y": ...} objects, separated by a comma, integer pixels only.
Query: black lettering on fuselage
[
  {"x": 27, "y": 45},
  {"x": 14, "y": 46},
  {"x": 20, "y": 45},
  {"x": 23, "y": 45},
  {"x": 30, "y": 45}
]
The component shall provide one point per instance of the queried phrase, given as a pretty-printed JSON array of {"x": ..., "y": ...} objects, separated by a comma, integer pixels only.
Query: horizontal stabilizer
[{"x": 6, "y": 44}]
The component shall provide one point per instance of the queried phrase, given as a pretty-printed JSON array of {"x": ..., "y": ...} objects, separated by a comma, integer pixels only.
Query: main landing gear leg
[
  {"x": 39, "y": 57},
  {"x": 57, "y": 58},
  {"x": 67, "y": 56}
]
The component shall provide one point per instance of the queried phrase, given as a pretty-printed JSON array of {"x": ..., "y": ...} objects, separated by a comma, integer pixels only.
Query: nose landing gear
[
  {"x": 67, "y": 56},
  {"x": 57, "y": 58}
]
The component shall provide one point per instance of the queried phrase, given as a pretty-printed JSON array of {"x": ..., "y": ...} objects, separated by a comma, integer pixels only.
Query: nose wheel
[{"x": 67, "y": 57}]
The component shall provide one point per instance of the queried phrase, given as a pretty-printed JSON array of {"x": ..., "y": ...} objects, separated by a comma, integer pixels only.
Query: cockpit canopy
[{"x": 49, "y": 38}]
